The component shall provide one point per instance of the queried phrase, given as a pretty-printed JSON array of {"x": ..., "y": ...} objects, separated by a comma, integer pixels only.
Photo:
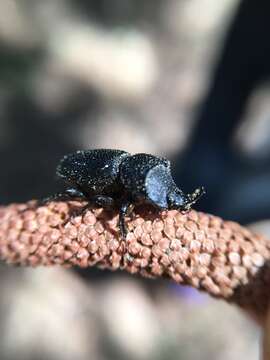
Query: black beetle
[{"x": 108, "y": 178}]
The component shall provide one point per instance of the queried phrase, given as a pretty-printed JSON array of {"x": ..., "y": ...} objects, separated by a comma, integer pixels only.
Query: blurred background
[{"x": 185, "y": 79}]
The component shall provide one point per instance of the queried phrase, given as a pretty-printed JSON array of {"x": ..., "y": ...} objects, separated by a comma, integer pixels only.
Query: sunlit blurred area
[{"x": 184, "y": 79}]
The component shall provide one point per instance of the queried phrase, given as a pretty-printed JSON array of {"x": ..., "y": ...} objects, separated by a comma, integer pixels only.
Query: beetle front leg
[{"x": 125, "y": 210}]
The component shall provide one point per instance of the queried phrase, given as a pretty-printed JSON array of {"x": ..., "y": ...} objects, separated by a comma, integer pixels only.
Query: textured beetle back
[{"x": 94, "y": 169}]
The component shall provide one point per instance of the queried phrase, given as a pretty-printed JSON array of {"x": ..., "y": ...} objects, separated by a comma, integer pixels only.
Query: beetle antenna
[{"x": 195, "y": 196}]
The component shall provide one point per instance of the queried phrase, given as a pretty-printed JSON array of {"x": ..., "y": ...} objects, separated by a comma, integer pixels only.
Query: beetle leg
[
  {"x": 125, "y": 210},
  {"x": 130, "y": 212},
  {"x": 103, "y": 201},
  {"x": 67, "y": 194},
  {"x": 98, "y": 200}
]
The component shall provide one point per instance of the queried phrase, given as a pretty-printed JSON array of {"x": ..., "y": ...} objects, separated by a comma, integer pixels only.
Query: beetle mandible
[{"x": 109, "y": 178}]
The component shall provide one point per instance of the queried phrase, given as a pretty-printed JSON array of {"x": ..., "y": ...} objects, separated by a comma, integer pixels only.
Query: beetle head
[
  {"x": 162, "y": 192},
  {"x": 179, "y": 201}
]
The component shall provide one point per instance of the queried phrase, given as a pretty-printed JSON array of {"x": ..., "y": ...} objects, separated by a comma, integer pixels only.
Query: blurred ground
[
  {"x": 52, "y": 314},
  {"x": 126, "y": 74}
]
